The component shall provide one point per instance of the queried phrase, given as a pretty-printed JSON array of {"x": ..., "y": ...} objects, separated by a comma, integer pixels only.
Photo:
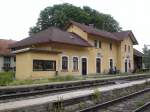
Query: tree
[
  {"x": 59, "y": 16},
  {"x": 146, "y": 58}
]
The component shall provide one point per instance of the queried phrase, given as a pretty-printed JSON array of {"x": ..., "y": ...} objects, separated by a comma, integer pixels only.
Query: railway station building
[{"x": 79, "y": 50}]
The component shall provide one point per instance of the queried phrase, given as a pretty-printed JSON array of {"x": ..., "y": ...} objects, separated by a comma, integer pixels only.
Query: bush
[
  {"x": 6, "y": 78},
  {"x": 62, "y": 78},
  {"x": 44, "y": 80},
  {"x": 28, "y": 81}
]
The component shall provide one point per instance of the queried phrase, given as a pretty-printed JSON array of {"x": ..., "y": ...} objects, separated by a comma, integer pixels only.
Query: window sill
[
  {"x": 64, "y": 70},
  {"x": 75, "y": 70},
  {"x": 43, "y": 70}
]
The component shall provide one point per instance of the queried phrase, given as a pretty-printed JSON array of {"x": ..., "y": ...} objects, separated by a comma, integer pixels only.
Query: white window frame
[
  {"x": 97, "y": 44},
  {"x": 68, "y": 61},
  {"x": 73, "y": 63}
]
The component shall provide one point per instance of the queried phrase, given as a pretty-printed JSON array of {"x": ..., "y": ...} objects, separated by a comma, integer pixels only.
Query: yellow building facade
[{"x": 81, "y": 50}]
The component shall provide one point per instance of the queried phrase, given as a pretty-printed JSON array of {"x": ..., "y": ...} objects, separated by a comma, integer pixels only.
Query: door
[
  {"x": 126, "y": 66},
  {"x": 84, "y": 66},
  {"x": 98, "y": 65}
]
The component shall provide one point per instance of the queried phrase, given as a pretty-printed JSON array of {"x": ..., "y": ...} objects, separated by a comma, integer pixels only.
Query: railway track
[
  {"x": 110, "y": 106},
  {"x": 143, "y": 108},
  {"x": 107, "y": 106},
  {"x": 29, "y": 91},
  {"x": 22, "y": 93}
]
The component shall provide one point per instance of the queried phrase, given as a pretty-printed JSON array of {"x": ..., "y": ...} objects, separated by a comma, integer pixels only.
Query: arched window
[
  {"x": 75, "y": 63},
  {"x": 110, "y": 46},
  {"x": 128, "y": 48},
  {"x": 64, "y": 63}
]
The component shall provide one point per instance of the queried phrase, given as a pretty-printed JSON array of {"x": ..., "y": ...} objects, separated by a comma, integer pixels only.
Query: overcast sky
[{"x": 17, "y": 16}]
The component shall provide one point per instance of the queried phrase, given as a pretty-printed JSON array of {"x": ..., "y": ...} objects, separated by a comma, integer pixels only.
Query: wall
[
  {"x": 117, "y": 54},
  {"x": 42, "y": 56},
  {"x": 71, "y": 51},
  {"x": 23, "y": 66},
  {"x": 24, "y": 61},
  {"x": 77, "y": 30},
  {"x": 126, "y": 55},
  {"x": 106, "y": 53}
]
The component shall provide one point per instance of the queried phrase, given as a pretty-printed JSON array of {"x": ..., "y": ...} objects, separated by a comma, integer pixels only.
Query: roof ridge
[{"x": 91, "y": 27}]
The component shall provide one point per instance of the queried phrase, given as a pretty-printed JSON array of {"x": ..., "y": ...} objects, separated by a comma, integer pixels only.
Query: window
[
  {"x": 110, "y": 46},
  {"x": 6, "y": 65},
  {"x": 75, "y": 64},
  {"x": 100, "y": 45},
  {"x": 6, "y": 60},
  {"x": 14, "y": 59},
  {"x": 44, "y": 65},
  {"x": 111, "y": 63},
  {"x": 64, "y": 63},
  {"x": 97, "y": 43},
  {"x": 125, "y": 48},
  {"x": 129, "y": 48}
]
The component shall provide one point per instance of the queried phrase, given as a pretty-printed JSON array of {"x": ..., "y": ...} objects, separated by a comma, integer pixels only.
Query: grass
[
  {"x": 96, "y": 96},
  {"x": 8, "y": 78}
]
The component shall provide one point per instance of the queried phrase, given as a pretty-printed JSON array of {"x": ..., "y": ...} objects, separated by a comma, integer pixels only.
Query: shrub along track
[
  {"x": 143, "y": 108},
  {"x": 135, "y": 102},
  {"x": 23, "y": 92}
]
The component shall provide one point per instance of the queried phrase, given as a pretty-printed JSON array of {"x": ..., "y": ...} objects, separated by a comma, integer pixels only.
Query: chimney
[{"x": 91, "y": 25}]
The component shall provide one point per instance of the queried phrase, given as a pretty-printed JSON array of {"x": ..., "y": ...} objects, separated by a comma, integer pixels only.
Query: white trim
[
  {"x": 87, "y": 67},
  {"x": 61, "y": 61},
  {"x": 21, "y": 50},
  {"x": 78, "y": 62},
  {"x": 100, "y": 64}
]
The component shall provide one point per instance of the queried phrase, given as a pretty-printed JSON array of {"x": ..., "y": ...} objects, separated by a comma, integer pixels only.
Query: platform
[{"x": 66, "y": 95}]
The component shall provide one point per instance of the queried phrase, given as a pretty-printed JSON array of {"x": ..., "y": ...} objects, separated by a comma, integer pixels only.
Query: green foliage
[
  {"x": 146, "y": 58},
  {"x": 63, "y": 78},
  {"x": 82, "y": 105},
  {"x": 59, "y": 107},
  {"x": 96, "y": 96},
  {"x": 6, "y": 77},
  {"x": 140, "y": 103},
  {"x": 39, "y": 81},
  {"x": 59, "y": 15},
  {"x": 29, "y": 81}
]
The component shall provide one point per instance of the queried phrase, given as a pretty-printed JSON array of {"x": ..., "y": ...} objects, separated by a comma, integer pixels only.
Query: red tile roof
[
  {"x": 55, "y": 35},
  {"x": 115, "y": 36},
  {"x": 137, "y": 53},
  {"x": 52, "y": 35},
  {"x": 4, "y": 44},
  {"x": 124, "y": 34},
  {"x": 94, "y": 31}
]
